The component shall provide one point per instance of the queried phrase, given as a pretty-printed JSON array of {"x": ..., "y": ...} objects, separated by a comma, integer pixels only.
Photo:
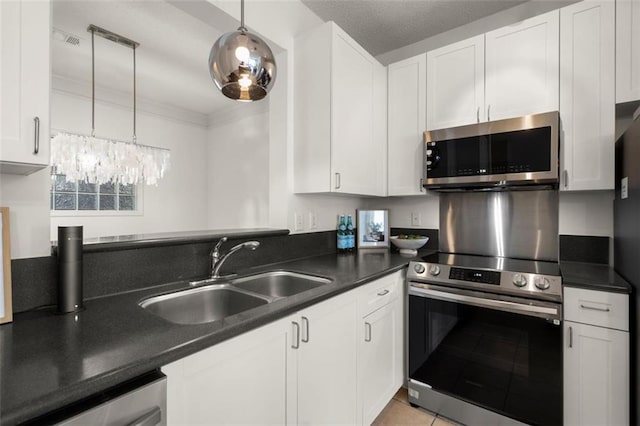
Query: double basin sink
[{"x": 220, "y": 299}]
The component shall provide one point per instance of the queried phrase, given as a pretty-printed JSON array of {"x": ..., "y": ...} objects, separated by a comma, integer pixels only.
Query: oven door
[{"x": 501, "y": 353}]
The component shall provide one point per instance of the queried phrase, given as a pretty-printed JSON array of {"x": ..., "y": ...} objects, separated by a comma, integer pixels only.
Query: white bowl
[{"x": 409, "y": 246}]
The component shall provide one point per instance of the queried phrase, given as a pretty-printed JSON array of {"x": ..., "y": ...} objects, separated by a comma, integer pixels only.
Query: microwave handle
[{"x": 546, "y": 312}]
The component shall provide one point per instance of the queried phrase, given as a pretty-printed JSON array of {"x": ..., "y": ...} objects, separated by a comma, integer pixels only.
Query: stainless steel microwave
[{"x": 496, "y": 154}]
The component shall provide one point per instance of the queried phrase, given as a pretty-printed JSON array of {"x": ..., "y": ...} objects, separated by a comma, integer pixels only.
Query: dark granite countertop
[
  {"x": 135, "y": 241},
  {"x": 48, "y": 361},
  {"x": 593, "y": 276}
]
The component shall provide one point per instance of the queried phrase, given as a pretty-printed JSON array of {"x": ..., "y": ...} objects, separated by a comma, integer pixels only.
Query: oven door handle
[{"x": 546, "y": 312}]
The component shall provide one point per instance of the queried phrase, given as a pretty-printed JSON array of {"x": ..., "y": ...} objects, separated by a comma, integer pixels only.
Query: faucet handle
[{"x": 217, "y": 247}]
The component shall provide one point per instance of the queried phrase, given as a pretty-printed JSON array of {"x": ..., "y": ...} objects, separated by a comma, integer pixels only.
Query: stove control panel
[
  {"x": 544, "y": 287},
  {"x": 475, "y": 275}
]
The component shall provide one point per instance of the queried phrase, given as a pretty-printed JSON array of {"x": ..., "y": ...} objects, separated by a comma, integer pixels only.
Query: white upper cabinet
[
  {"x": 25, "y": 28},
  {"x": 587, "y": 95},
  {"x": 407, "y": 91},
  {"x": 627, "y": 50},
  {"x": 340, "y": 111},
  {"x": 509, "y": 72},
  {"x": 522, "y": 68},
  {"x": 455, "y": 84}
]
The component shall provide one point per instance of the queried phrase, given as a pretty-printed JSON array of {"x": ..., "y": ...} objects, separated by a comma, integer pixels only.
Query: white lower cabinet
[
  {"x": 312, "y": 367},
  {"x": 596, "y": 358},
  {"x": 240, "y": 381},
  {"x": 380, "y": 366},
  {"x": 322, "y": 363}
]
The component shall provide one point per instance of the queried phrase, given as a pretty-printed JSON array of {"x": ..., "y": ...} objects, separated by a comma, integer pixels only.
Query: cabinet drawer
[
  {"x": 599, "y": 308},
  {"x": 378, "y": 293}
]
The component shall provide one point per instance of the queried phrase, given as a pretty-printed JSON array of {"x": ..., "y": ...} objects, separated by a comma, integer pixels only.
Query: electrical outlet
[
  {"x": 416, "y": 219},
  {"x": 298, "y": 222},
  {"x": 624, "y": 188},
  {"x": 313, "y": 220}
]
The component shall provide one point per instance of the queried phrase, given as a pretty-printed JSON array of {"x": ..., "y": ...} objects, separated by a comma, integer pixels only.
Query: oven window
[{"x": 505, "y": 362}]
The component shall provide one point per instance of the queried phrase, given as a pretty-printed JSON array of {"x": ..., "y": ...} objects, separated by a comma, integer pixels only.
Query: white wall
[
  {"x": 238, "y": 167},
  {"x": 28, "y": 200},
  {"x": 178, "y": 203}
]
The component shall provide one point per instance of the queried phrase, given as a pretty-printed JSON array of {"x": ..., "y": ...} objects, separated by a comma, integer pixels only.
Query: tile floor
[{"x": 399, "y": 412}]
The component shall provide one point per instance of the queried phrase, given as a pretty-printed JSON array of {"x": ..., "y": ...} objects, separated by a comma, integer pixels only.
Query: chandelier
[{"x": 100, "y": 160}]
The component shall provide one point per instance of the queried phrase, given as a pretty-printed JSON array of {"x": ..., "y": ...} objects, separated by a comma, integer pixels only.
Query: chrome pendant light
[{"x": 242, "y": 65}]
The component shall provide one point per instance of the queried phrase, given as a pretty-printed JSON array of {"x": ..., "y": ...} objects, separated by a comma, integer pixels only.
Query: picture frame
[
  {"x": 373, "y": 228},
  {"x": 6, "y": 312}
]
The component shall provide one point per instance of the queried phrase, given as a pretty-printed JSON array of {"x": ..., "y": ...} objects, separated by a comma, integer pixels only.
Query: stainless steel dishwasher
[{"x": 138, "y": 402}]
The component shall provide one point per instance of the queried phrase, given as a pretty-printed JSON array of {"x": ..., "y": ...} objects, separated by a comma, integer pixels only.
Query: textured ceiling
[{"x": 384, "y": 25}]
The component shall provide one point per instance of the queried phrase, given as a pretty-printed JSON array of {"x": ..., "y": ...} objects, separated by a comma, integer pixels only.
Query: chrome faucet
[{"x": 217, "y": 260}]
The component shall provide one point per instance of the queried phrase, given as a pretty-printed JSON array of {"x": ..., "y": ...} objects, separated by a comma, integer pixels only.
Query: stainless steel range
[
  {"x": 484, "y": 314},
  {"x": 485, "y": 342}
]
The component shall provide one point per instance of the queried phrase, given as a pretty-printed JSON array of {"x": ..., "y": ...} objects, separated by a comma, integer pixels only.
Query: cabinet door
[
  {"x": 325, "y": 363},
  {"x": 587, "y": 102},
  {"x": 596, "y": 376},
  {"x": 380, "y": 372},
  {"x": 407, "y": 90},
  {"x": 24, "y": 85},
  {"x": 240, "y": 381},
  {"x": 627, "y": 50},
  {"x": 522, "y": 68},
  {"x": 455, "y": 84},
  {"x": 354, "y": 157}
]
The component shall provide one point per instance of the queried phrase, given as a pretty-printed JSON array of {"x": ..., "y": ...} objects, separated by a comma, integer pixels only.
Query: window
[{"x": 82, "y": 196}]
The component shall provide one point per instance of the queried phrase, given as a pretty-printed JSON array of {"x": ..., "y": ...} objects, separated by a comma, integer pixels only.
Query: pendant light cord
[
  {"x": 242, "y": 27},
  {"x": 135, "y": 138},
  {"x": 93, "y": 85}
]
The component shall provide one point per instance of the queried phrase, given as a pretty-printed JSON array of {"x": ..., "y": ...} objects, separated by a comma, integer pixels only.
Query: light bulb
[
  {"x": 244, "y": 81},
  {"x": 242, "y": 54}
]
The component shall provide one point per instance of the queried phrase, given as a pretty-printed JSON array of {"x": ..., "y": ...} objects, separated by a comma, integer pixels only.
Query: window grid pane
[{"x": 83, "y": 196}]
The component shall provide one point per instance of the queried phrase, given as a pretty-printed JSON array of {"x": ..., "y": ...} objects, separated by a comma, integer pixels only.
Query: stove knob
[
  {"x": 519, "y": 280},
  {"x": 419, "y": 268},
  {"x": 542, "y": 283},
  {"x": 434, "y": 270}
]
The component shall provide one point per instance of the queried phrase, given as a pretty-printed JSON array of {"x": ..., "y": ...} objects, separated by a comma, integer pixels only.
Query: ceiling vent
[{"x": 65, "y": 37}]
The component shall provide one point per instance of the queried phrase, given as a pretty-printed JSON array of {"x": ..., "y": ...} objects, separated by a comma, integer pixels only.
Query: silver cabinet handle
[
  {"x": 305, "y": 330},
  {"x": 478, "y": 115},
  {"x": 489, "y": 112},
  {"x": 296, "y": 340},
  {"x": 36, "y": 136},
  {"x": 367, "y": 332},
  {"x": 338, "y": 181},
  {"x": 570, "y": 337},
  {"x": 383, "y": 292},
  {"x": 595, "y": 308},
  {"x": 152, "y": 418},
  {"x": 565, "y": 174}
]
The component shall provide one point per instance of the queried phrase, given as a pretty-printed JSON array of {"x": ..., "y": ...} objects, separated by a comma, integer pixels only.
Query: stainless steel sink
[
  {"x": 279, "y": 283},
  {"x": 202, "y": 305},
  {"x": 212, "y": 302}
]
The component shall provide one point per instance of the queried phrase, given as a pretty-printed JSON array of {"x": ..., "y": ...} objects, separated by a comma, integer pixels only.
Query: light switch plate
[
  {"x": 624, "y": 188},
  {"x": 416, "y": 220},
  {"x": 313, "y": 220},
  {"x": 298, "y": 222}
]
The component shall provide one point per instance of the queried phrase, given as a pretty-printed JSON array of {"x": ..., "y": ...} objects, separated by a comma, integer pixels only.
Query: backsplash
[{"x": 34, "y": 280}]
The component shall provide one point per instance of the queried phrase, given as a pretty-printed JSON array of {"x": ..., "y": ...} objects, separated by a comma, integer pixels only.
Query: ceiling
[
  {"x": 175, "y": 41},
  {"x": 384, "y": 25},
  {"x": 171, "y": 61}
]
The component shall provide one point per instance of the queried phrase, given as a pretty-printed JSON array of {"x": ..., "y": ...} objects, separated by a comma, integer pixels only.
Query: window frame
[{"x": 139, "y": 211}]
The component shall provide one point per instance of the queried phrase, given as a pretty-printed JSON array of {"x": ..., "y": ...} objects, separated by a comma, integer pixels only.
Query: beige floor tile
[
  {"x": 397, "y": 413},
  {"x": 440, "y": 421},
  {"x": 402, "y": 396}
]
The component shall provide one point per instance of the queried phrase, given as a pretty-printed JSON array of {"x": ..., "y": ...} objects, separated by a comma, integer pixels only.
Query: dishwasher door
[{"x": 141, "y": 403}]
